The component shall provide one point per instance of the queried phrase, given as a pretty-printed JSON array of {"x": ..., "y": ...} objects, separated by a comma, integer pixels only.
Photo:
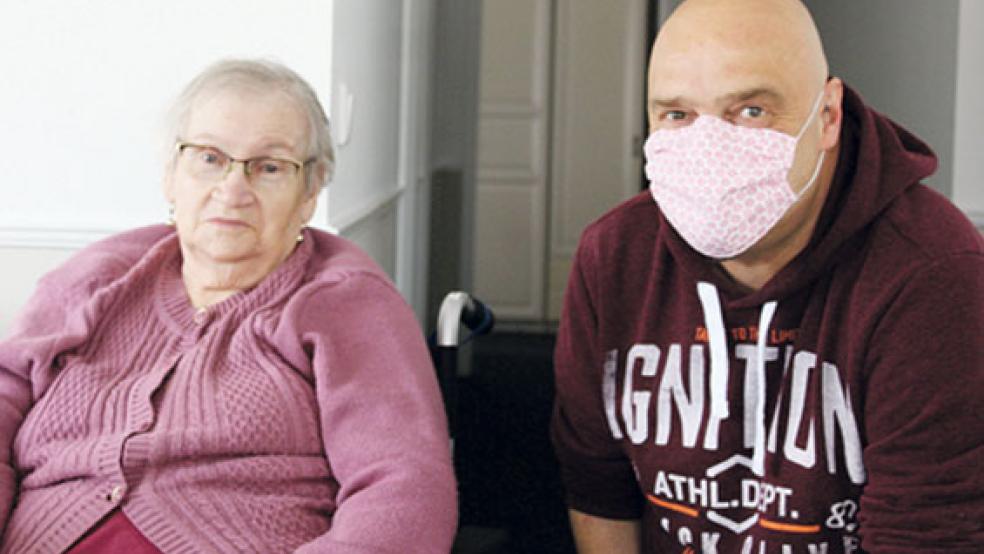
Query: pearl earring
[{"x": 170, "y": 215}]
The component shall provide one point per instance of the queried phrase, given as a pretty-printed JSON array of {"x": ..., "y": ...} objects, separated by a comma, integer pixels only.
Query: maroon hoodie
[{"x": 837, "y": 409}]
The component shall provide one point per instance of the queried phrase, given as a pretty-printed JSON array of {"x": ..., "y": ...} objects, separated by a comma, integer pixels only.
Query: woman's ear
[
  {"x": 310, "y": 203},
  {"x": 168, "y": 191},
  {"x": 307, "y": 208},
  {"x": 167, "y": 185}
]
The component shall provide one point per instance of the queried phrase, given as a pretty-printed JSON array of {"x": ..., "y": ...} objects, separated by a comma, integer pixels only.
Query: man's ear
[{"x": 832, "y": 113}]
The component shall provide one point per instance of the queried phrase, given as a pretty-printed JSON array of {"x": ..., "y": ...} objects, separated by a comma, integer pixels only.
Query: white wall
[
  {"x": 416, "y": 92},
  {"x": 381, "y": 80},
  {"x": 968, "y": 169},
  {"x": 367, "y": 79},
  {"x": 901, "y": 56},
  {"x": 86, "y": 87}
]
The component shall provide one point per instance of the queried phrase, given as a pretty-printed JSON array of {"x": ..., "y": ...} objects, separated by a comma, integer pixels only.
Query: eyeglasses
[{"x": 208, "y": 163}]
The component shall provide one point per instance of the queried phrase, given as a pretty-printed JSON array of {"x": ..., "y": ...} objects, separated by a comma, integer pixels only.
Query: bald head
[
  {"x": 757, "y": 64},
  {"x": 711, "y": 52}
]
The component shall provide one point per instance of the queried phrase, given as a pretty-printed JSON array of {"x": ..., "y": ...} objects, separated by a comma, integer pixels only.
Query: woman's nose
[{"x": 235, "y": 188}]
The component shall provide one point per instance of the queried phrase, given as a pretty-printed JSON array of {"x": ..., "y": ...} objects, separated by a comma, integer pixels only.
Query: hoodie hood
[{"x": 878, "y": 161}]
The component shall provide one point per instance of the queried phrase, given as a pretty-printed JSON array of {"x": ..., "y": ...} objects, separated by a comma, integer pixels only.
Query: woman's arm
[
  {"x": 51, "y": 322},
  {"x": 57, "y": 318},
  {"x": 382, "y": 422},
  {"x": 15, "y": 400}
]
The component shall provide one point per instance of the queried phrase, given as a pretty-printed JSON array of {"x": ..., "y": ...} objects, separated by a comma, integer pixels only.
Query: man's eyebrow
[
  {"x": 730, "y": 98},
  {"x": 748, "y": 94},
  {"x": 669, "y": 102}
]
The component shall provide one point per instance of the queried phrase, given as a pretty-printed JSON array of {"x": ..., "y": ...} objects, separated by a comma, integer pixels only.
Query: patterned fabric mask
[{"x": 722, "y": 186}]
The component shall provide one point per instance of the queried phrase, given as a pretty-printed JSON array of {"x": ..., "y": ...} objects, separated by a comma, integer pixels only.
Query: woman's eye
[
  {"x": 211, "y": 157},
  {"x": 271, "y": 167},
  {"x": 675, "y": 115},
  {"x": 752, "y": 112}
]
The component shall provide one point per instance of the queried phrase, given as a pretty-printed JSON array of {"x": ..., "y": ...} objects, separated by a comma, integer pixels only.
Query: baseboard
[{"x": 59, "y": 239}]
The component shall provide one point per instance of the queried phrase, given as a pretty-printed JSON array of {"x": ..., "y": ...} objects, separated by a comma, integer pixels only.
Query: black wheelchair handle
[{"x": 477, "y": 317}]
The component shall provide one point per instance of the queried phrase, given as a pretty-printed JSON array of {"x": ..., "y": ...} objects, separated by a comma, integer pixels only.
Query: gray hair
[{"x": 263, "y": 75}]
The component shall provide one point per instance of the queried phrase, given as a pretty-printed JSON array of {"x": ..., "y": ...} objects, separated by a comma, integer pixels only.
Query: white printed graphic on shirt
[
  {"x": 663, "y": 386},
  {"x": 643, "y": 360}
]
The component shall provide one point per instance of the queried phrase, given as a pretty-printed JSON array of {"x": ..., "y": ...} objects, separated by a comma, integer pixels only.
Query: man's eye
[{"x": 752, "y": 112}]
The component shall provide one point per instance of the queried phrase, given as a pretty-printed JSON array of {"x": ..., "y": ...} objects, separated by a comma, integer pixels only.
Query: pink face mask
[{"x": 721, "y": 186}]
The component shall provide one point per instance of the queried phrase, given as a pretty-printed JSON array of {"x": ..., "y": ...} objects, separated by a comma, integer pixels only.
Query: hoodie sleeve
[
  {"x": 923, "y": 420},
  {"x": 382, "y": 420},
  {"x": 597, "y": 475}
]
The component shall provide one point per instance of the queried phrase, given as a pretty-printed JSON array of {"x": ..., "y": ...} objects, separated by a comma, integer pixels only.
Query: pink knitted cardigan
[{"x": 301, "y": 415}]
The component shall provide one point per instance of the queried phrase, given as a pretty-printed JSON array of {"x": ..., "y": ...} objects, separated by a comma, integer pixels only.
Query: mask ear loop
[
  {"x": 816, "y": 169},
  {"x": 813, "y": 112},
  {"x": 813, "y": 178}
]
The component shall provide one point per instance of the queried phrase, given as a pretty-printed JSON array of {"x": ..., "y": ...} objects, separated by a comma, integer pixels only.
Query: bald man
[{"x": 777, "y": 348}]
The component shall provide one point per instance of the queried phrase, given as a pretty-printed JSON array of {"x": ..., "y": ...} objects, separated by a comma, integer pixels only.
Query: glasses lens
[
  {"x": 208, "y": 163},
  {"x": 272, "y": 172},
  {"x": 204, "y": 161}
]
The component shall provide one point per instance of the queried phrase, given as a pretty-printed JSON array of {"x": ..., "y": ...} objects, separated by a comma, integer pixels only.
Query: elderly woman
[{"x": 235, "y": 382}]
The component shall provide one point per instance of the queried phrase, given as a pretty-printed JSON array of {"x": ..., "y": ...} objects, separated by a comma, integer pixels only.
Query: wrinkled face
[{"x": 233, "y": 218}]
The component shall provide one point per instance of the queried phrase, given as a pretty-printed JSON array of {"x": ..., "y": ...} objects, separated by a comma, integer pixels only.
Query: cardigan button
[
  {"x": 200, "y": 315},
  {"x": 116, "y": 494}
]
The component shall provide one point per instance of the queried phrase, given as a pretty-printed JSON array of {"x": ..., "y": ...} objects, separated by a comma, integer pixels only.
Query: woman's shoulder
[
  {"x": 335, "y": 259},
  {"x": 105, "y": 260},
  {"x": 343, "y": 291},
  {"x": 340, "y": 279}
]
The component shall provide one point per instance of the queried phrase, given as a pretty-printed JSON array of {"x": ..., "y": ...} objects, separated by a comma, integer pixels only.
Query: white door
[
  {"x": 560, "y": 119},
  {"x": 513, "y": 135},
  {"x": 599, "y": 108}
]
